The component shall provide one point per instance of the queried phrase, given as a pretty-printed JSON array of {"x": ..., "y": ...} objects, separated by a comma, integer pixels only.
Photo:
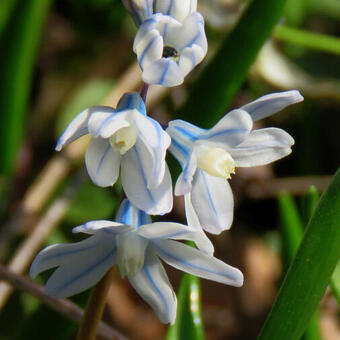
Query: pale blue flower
[
  {"x": 126, "y": 139},
  {"x": 168, "y": 49},
  {"x": 209, "y": 157},
  {"x": 135, "y": 244}
]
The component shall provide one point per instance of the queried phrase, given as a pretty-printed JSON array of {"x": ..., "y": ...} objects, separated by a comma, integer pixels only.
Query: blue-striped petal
[
  {"x": 178, "y": 9},
  {"x": 130, "y": 215},
  {"x": 165, "y": 230},
  {"x": 102, "y": 162},
  {"x": 213, "y": 202},
  {"x": 80, "y": 265},
  {"x": 131, "y": 101},
  {"x": 137, "y": 166},
  {"x": 93, "y": 227},
  {"x": 262, "y": 147},
  {"x": 139, "y": 9},
  {"x": 153, "y": 285},
  {"x": 271, "y": 103},
  {"x": 165, "y": 72},
  {"x": 231, "y": 130},
  {"x": 193, "y": 261}
]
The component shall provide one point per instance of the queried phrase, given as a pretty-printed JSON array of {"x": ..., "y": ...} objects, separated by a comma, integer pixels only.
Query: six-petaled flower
[
  {"x": 136, "y": 245},
  {"x": 209, "y": 157},
  {"x": 126, "y": 139}
]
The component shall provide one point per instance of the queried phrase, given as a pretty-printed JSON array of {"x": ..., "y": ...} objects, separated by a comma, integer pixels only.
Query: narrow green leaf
[
  {"x": 6, "y": 8},
  {"x": 309, "y": 274},
  {"x": 291, "y": 227},
  {"x": 223, "y": 76},
  {"x": 18, "y": 47},
  {"x": 188, "y": 323},
  {"x": 316, "y": 41},
  {"x": 335, "y": 283},
  {"x": 292, "y": 232}
]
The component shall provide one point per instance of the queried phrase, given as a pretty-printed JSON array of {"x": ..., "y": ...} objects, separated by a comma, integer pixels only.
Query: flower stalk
[{"x": 95, "y": 308}]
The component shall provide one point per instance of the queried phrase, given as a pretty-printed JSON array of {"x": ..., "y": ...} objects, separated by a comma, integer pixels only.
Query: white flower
[
  {"x": 139, "y": 9},
  {"x": 126, "y": 139},
  {"x": 209, "y": 157},
  {"x": 168, "y": 49},
  {"x": 136, "y": 245}
]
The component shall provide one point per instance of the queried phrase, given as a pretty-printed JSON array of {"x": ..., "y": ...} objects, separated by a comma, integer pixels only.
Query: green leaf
[
  {"x": 310, "y": 272},
  {"x": 223, "y": 76},
  {"x": 291, "y": 227},
  {"x": 6, "y": 8},
  {"x": 18, "y": 47},
  {"x": 292, "y": 232},
  {"x": 316, "y": 41},
  {"x": 188, "y": 323}
]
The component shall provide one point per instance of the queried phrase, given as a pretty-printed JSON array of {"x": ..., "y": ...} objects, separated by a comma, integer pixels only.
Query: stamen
[
  {"x": 124, "y": 139},
  {"x": 215, "y": 161},
  {"x": 170, "y": 52}
]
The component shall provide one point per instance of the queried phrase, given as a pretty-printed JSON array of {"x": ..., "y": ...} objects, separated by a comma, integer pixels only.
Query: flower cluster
[{"x": 129, "y": 144}]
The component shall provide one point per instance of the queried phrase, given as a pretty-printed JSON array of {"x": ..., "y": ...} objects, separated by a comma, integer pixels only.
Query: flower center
[
  {"x": 124, "y": 139},
  {"x": 130, "y": 253},
  {"x": 215, "y": 161},
  {"x": 170, "y": 52}
]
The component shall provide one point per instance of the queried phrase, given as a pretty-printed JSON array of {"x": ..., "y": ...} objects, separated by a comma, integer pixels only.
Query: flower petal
[
  {"x": 104, "y": 124},
  {"x": 184, "y": 181},
  {"x": 262, "y": 146},
  {"x": 213, "y": 202},
  {"x": 82, "y": 271},
  {"x": 131, "y": 101},
  {"x": 137, "y": 165},
  {"x": 139, "y": 9},
  {"x": 130, "y": 215},
  {"x": 76, "y": 129},
  {"x": 154, "y": 137},
  {"x": 202, "y": 241},
  {"x": 165, "y": 230},
  {"x": 58, "y": 254},
  {"x": 102, "y": 162},
  {"x": 153, "y": 285},
  {"x": 190, "y": 57},
  {"x": 193, "y": 261},
  {"x": 271, "y": 103},
  {"x": 163, "y": 72},
  {"x": 231, "y": 130},
  {"x": 111, "y": 227},
  {"x": 178, "y": 9},
  {"x": 149, "y": 49}
]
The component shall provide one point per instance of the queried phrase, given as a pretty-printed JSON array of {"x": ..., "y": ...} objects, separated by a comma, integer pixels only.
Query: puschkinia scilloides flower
[
  {"x": 168, "y": 49},
  {"x": 136, "y": 245},
  {"x": 209, "y": 157},
  {"x": 126, "y": 138}
]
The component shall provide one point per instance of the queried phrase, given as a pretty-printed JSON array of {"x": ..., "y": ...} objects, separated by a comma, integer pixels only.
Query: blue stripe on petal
[
  {"x": 88, "y": 270},
  {"x": 164, "y": 73},
  {"x": 146, "y": 272},
  {"x": 101, "y": 162},
  {"x": 146, "y": 50}
]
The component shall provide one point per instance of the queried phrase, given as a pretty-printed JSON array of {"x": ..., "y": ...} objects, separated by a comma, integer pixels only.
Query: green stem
[
  {"x": 316, "y": 41},
  {"x": 95, "y": 308}
]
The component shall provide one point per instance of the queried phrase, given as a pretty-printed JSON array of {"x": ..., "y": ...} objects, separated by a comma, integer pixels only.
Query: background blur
[{"x": 57, "y": 58}]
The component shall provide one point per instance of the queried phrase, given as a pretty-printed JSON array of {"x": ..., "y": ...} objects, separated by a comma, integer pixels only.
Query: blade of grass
[
  {"x": 316, "y": 41},
  {"x": 308, "y": 276},
  {"x": 292, "y": 232},
  {"x": 6, "y": 8},
  {"x": 223, "y": 76},
  {"x": 188, "y": 323},
  {"x": 312, "y": 201},
  {"x": 18, "y": 52}
]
